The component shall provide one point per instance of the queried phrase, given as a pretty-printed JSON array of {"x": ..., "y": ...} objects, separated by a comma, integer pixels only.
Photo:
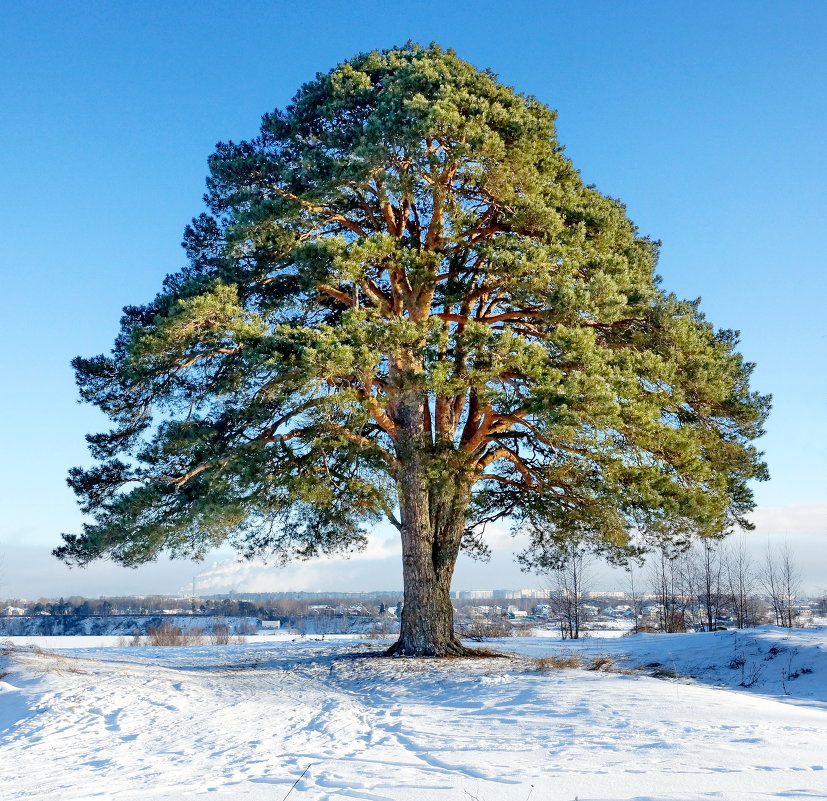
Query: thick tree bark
[
  {"x": 430, "y": 545},
  {"x": 433, "y": 504}
]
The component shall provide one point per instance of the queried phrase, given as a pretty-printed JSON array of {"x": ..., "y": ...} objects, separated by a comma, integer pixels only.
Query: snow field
[{"x": 247, "y": 721}]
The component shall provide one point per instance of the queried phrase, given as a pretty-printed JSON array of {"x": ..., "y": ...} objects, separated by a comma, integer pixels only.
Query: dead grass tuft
[
  {"x": 557, "y": 662},
  {"x": 601, "y": 662}
]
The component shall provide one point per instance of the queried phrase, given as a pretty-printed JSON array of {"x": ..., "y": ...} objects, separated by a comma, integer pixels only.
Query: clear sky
[{"x": 707, "y": 119}]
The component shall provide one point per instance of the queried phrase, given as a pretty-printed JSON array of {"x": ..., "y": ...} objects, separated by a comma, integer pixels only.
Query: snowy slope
[
  {"x": 790, "y": 665},
  {"x": 247, "y": 721}
]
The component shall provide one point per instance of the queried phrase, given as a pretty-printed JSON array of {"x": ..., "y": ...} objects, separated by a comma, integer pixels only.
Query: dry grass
[
  {"x": 558, "y": 661},
  {"x": 47, "y": 661},
  {"x": 601, "y": 662}
]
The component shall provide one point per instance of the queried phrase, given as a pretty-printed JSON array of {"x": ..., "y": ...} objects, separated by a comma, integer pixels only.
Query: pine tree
[{"x": 404, "y": 303}]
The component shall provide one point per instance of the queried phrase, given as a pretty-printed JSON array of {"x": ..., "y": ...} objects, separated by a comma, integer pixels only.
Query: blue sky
[{"x": 706, "y": 119}]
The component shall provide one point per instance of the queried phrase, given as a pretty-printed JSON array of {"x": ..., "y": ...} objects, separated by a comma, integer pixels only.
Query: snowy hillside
[{"x": 248, "y": 721}]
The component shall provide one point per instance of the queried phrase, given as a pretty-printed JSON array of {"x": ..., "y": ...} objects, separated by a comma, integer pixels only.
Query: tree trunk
[
  {"x": 433, "y": 503},
  {"x": 432, "y": 526}
]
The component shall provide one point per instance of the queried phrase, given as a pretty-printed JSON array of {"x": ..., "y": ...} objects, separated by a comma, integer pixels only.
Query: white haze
[{"x": 30, "y": 572}]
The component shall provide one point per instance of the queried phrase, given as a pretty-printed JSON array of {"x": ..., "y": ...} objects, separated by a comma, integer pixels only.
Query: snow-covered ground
[
  {"x": 111, "y": 641},
  {"x": 248, "y": 721}
]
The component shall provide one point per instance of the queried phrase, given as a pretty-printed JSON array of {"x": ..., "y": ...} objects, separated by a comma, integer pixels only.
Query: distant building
[
  {"x": 620, "y": 610},
  {"x": 516, "y": 595},
  {"x": 14, "y": 611},
  {"x": 322, "y": 609}
]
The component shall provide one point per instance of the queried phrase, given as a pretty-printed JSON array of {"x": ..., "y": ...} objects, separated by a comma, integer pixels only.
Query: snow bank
[{"x": 788, "y": 664}]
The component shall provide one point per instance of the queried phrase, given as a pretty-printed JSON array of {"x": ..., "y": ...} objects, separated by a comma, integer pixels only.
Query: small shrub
[
  {"x": 220, "y": 634},
  {"x": 380, "y": 630},
  {"x": 168, "y": 635},
  {"x": 751, "y": 675},
  {"x": 525, "y": 629},
  {"x": 479, "y": 630},
  {"x": 165, "y": 635},
  {"x": 645, "y": 628},
  {"x": 245, "y": 627}
]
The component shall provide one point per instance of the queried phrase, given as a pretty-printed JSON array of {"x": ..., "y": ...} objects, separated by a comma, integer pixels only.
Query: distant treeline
[{"x": 264, "y": 608}]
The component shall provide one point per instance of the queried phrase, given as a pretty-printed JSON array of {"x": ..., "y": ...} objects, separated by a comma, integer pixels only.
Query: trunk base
[{"x": 451, "y": 650}]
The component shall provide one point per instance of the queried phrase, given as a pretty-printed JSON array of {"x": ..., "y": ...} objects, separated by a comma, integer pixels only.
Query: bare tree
[
  {"x": 790, "y": 585},
  {"x": 667, "y": 579},
  {"x": 569, "y": 579},
  {"x": 633, "y": 590},
  {"x": 710, "y": 580},
  {"x": 781, "y": 580},
  {"x": 688, "y": 587},
  {"x": 740, "y": 583}
]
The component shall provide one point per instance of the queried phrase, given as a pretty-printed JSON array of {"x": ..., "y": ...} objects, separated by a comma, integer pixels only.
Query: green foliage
[{"x": 409, "y": 234}]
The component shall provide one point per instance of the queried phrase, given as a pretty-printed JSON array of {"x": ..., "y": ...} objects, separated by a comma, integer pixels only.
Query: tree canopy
[{"x": 404, "y": 303}]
